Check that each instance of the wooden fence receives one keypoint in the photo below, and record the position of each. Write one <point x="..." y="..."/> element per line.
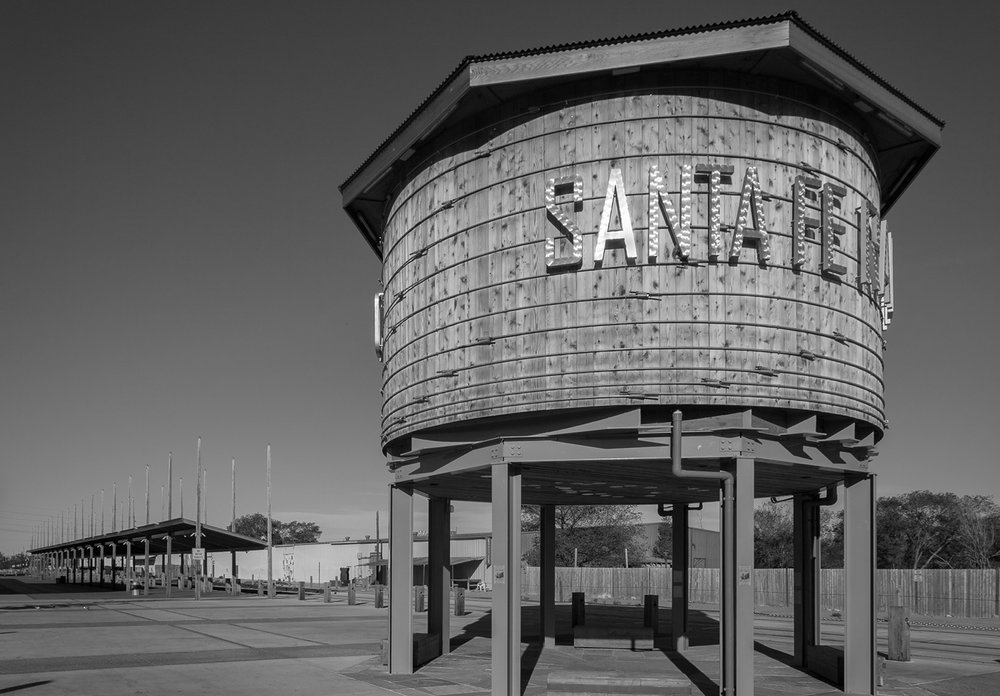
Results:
<point x="956" y="593"/>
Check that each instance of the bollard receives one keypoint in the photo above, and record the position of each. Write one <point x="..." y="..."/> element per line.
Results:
<point x="379" y="596"/>
<point x="260" y="588"/>
<point x="651" y="612"/>
<point x="459" y="601"/>
<point x="302" y="590"/>
<point x="899" y="634"/>
<point x="579" y="612"/>
<point x="419" y="598"/>
<point x="326" y="594"/>
<point x="352" y="595"/>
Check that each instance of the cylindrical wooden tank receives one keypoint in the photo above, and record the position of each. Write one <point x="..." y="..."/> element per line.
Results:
<point x="495" y="305"/>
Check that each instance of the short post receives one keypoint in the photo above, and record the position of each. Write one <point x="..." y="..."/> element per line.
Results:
<point x="579" y="611"/>
<point x="651" y="612"/>
<point x="459" y="601"/>
<point x="379" y="596"/>
<point x="302" y="589"/>
<point x="420" y="598"/>
<point x="352" y="595"/>
<point x="326" y="593"/>
<point x="260" y="588"/>
<point x="899" y="634"/>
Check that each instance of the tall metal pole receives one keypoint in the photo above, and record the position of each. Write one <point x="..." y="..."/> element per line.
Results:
<point x="91" y="514"/>
<point x="270" y="578"/>
<point x="170" y="486"/>
<point x="197" y="526"/>
<point x="130" y="512"/>
<point x="75" y="537"/>
<point x="102" y="512"/>
<point x="145" y="544"/>
<point x="233" y="525"/>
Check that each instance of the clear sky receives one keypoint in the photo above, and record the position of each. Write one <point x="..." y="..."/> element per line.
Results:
<point x="175" y="263"/>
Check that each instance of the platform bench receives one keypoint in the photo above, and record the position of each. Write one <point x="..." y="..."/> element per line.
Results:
<point x="603" y="683"/>
<point x="638" y="638"/>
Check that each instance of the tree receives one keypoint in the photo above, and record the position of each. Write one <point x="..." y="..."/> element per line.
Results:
<point x="774" y="542"/>
<point x="920" y="529"/>
<point x="664" y="546"/>
<point x="294" y="532"/>
<point x="772" y="536"/>
<point x="595" y="535"/>
<point x="979" y="530"/>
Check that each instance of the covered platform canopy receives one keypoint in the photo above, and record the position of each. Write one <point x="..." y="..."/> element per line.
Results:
<point x="180" y="531"/>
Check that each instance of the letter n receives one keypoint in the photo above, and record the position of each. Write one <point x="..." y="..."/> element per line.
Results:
<point x="661" y="205"/>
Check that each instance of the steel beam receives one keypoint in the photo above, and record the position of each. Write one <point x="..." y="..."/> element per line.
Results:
<point x="744" y="594"/>
<point x="547" y="576"/>
<point x="506" y="617"/>
<point x="679" y="587"/>
<point x="627" y="447"/>
<point x="806" y="555"/>
<point x="859" y="590"/>
<point x="400" y="579"/>
<point x="439" y="569"/>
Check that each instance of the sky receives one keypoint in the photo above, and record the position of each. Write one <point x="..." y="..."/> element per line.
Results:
<point x="175" y="262"/>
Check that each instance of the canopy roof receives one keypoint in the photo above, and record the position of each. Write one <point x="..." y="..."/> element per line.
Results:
<point x="181" y="531"/>
<point x="903" y="135"/>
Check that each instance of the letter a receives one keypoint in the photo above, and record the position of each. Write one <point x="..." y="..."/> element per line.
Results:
<point x="616" y="190"/>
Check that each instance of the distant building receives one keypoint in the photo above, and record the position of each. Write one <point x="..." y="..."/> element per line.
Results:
<point x="704" y="546"/>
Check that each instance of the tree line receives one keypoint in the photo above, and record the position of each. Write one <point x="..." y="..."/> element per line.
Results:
<point x="916" y="530"/>
<point x="255" y="526"/>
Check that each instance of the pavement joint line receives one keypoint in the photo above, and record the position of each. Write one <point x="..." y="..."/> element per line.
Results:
<point x="241" y="653"/>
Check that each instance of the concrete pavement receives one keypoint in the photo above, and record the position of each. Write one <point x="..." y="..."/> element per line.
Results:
<point x="112" y="644"/>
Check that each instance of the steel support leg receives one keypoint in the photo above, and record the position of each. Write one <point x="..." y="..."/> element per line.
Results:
<point x="859" y="591"/>
<point x="805" y="522"/>
<point x="506" y="618"/>
<point x="744" y="495"/>
<point x="439" y="569"/>
<point x="547" y="576"/>
<point x="128" y="567"/>
<point x="679" y="589"/>
<point x="400" y="580"/>
<point x="168" y="572"/>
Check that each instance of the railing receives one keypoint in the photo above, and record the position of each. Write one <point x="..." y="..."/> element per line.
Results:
<point x="958" y="593"/>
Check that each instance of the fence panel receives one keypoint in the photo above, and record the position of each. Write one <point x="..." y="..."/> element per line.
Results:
<point x="956" y="593"/>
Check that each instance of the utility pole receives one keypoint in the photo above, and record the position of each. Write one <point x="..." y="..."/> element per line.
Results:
<point x="197" y="527"/>
<point x="270" y="578"/>
<point x="170" y="486"/>
<point x="233" y="527"/>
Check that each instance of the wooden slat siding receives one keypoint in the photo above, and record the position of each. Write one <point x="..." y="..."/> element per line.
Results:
<point x="492" y="237"/>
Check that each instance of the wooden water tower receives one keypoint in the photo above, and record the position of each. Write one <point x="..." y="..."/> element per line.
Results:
<point x="579" y="241"/>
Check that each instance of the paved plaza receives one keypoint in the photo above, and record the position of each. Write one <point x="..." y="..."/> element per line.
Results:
<point x="80" y="641"/>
